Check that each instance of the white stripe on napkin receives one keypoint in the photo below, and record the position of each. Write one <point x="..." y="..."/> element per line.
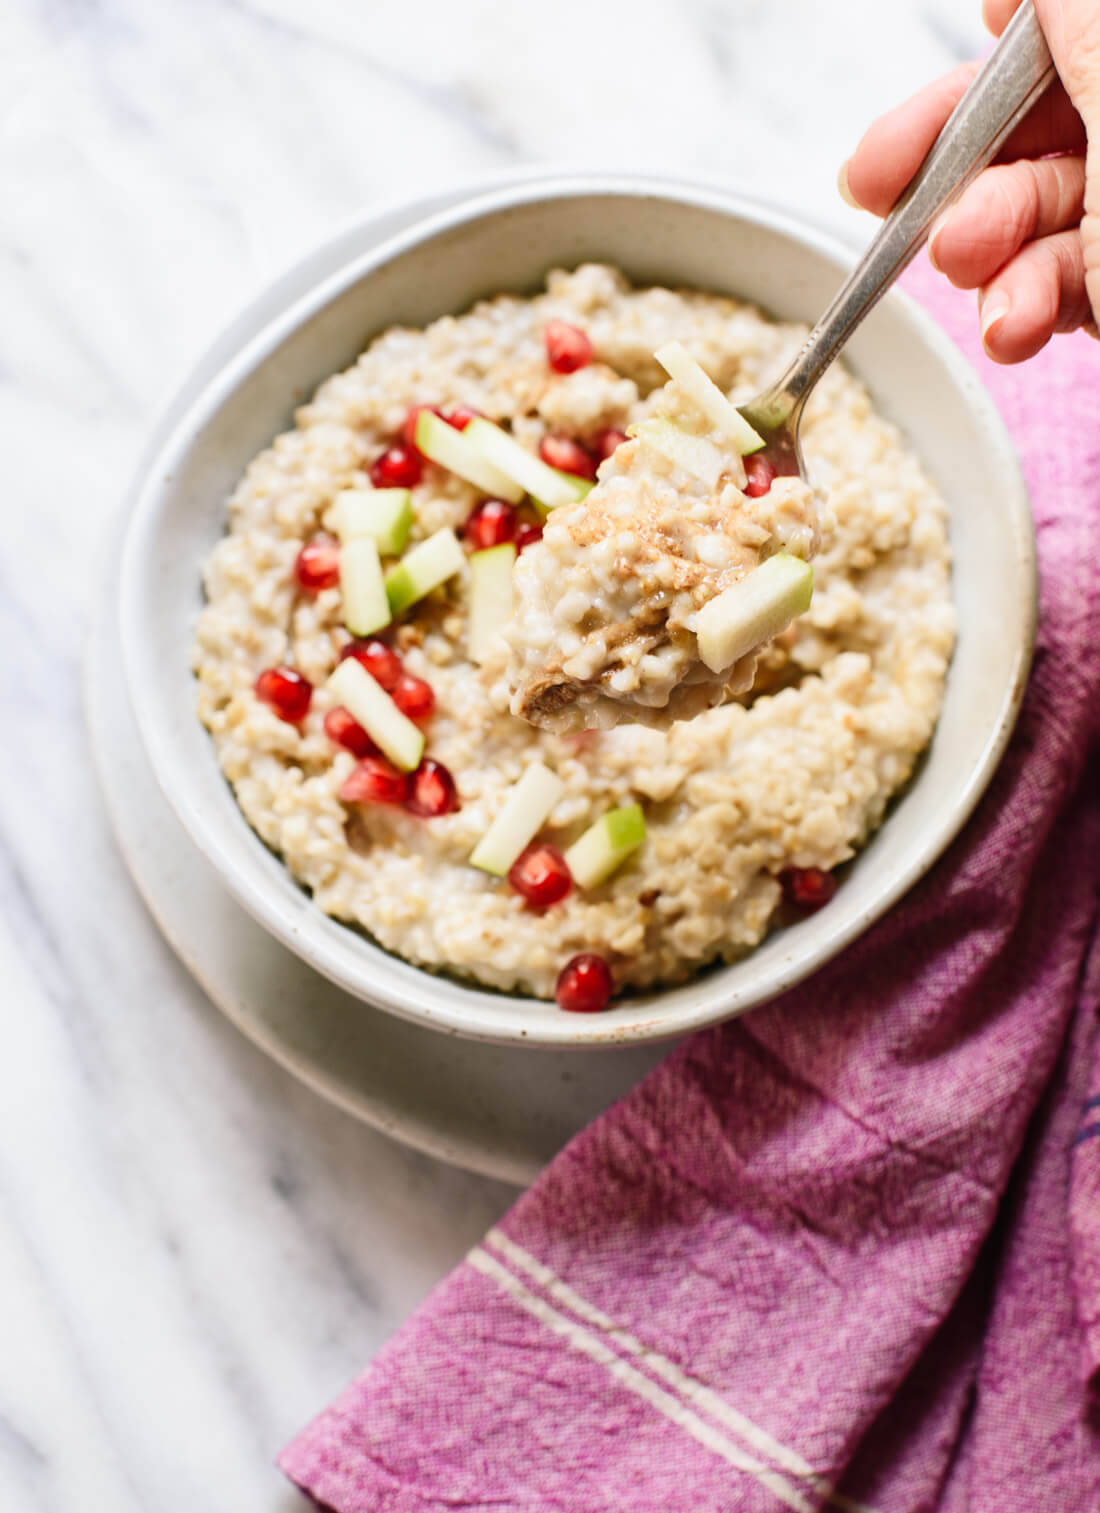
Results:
<point x="692" y="1395"/>
<point x="678" y="1412"/>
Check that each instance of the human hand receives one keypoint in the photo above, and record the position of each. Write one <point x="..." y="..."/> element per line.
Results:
<point x="1026" y="233"/>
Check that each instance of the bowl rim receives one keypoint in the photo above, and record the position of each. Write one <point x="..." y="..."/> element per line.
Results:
<point x="479" y="1013"/>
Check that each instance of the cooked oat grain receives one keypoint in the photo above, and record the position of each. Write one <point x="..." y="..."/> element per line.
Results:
<point x="798" y="775"/>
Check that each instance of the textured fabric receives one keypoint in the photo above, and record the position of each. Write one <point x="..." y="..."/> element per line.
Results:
<point x="844" y="1251"/>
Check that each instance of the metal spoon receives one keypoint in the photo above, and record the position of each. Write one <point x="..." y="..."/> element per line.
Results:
<point x="1014" y="76"/>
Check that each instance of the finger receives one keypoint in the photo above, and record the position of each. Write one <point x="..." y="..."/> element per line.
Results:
<point x="1041" y="291"/>
<point x="1005" y="207"/>
<point x="894" y="147"/>
<point x="998" y="13"/>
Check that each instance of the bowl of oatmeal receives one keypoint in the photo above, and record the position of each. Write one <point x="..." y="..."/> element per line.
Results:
<point x="360" y="763"/>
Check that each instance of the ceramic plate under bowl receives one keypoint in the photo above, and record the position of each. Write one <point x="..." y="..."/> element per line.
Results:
<point x="506" y="240"/>
<point x="494" y="1109"/>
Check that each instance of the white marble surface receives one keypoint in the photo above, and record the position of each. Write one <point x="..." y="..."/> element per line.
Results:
<point x="195" y="1253"/>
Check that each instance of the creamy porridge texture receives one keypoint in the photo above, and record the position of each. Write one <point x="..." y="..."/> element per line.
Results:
<point x="794" y="773"/>
<point x="607" y="605"/>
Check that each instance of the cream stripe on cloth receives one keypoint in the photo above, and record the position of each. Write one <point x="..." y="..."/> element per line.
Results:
<point x="607" y="1344"/>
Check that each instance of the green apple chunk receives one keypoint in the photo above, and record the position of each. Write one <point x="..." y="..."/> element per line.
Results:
<point x="384" y="514"/>
<point x="697" y="456"/>
<point x="390" y="730"/>
<point x="606" y="845"/>
<point x="453" y="450"/>
<point x="579" y="489"/>
<point x="521" y="817"/>
<point x="706" y="394"/>
<point x="428" y="565"/>
<point x="366" y="606"/>
<point x="490" y="596"/>
<point x="547" y="486"/>
<point x="754" y="610"/>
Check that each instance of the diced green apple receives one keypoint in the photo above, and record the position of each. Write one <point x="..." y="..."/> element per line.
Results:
<point x="366" y="605"/>
<point x="696" y="455"/>
<point x="490" y="596"/>
<point x="546" y="485"/>
<point x="579" y="488"/>
<point x="453" y="450"/>
<point x="429" y="564"/>
<point x="384" y="514"/>
<point x="521" y="817"/>
<point x="390" y="730"/>
<point x="605" y="845"/>
<point x="679" y="365"/>
<point x="754" y="610"/>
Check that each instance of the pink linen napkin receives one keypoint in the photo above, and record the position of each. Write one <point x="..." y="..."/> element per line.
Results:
<point x="845" y="1251"/>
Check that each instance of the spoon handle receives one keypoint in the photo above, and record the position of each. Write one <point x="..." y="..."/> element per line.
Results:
<point x="1013" y="77"/>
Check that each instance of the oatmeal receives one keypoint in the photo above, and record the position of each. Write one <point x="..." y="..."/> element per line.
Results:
<point x="653" y="851"/>
<point x="607" y="604"/>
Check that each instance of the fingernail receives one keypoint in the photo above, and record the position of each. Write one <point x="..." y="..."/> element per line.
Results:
<point x="994" y="308"/>
<point x="845" y="193"/>
<point x="933" y="236"/>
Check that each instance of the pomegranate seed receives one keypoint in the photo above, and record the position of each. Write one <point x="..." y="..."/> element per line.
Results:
<point x="527" y="535"/>
<point x="542" y="875"/>
<point x="413" y="696"/>
<point x="432" y="791"/>
<point x="461" y="416"/>
<point x="286" y="692"/>
<point x="760" y="475"/>
<point x="567" y="347"/>
<point x="383" y="664"/>
<point x="374" y="781"/>
<point x="408" y="425"/>
<point x="399" y="467"/>
<point x="807" y="888"/>
<point x="585" y="984"/>
<point x="318" y="564"/>
<point x="605" y="442"/>
<point x="568" y="455"/>
<point x="491" y="523"/>
<point x="344" y="730"/>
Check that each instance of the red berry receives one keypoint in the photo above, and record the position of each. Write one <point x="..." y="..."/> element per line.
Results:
<point x="413" y="696"/>
<point x="585" y="984"/>
<point x="527" y="535"/>
<point x="807" y="888"/>
<point x="374" y="781"/>
<point x="461" y="415"/>
<point x="491" y="523"/>
<point x="759" y="476"/>
<point x="568" y="455"/>
<point x="408" y="425"/>
<point x="286" y="691"/>
<point x="318" y="564"/>
<point x="399" y="467"/>
<point x="383" y="664"/>
<point x="605" y="442"/>
<point x="567" y="347"/>
<point x="344" y="730"/>
<point x="432" y="791"/>
<point x="542" y="875"/>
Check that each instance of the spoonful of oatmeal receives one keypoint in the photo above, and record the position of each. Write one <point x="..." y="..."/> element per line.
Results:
<point x="651" y="598"/>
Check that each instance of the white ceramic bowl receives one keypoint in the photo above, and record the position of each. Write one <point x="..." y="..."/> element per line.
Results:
<point x="502" y="240"/>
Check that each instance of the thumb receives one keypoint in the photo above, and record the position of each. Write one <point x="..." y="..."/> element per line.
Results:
<point x="1090" y="221"/>
<point x="1072" y="29"/>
